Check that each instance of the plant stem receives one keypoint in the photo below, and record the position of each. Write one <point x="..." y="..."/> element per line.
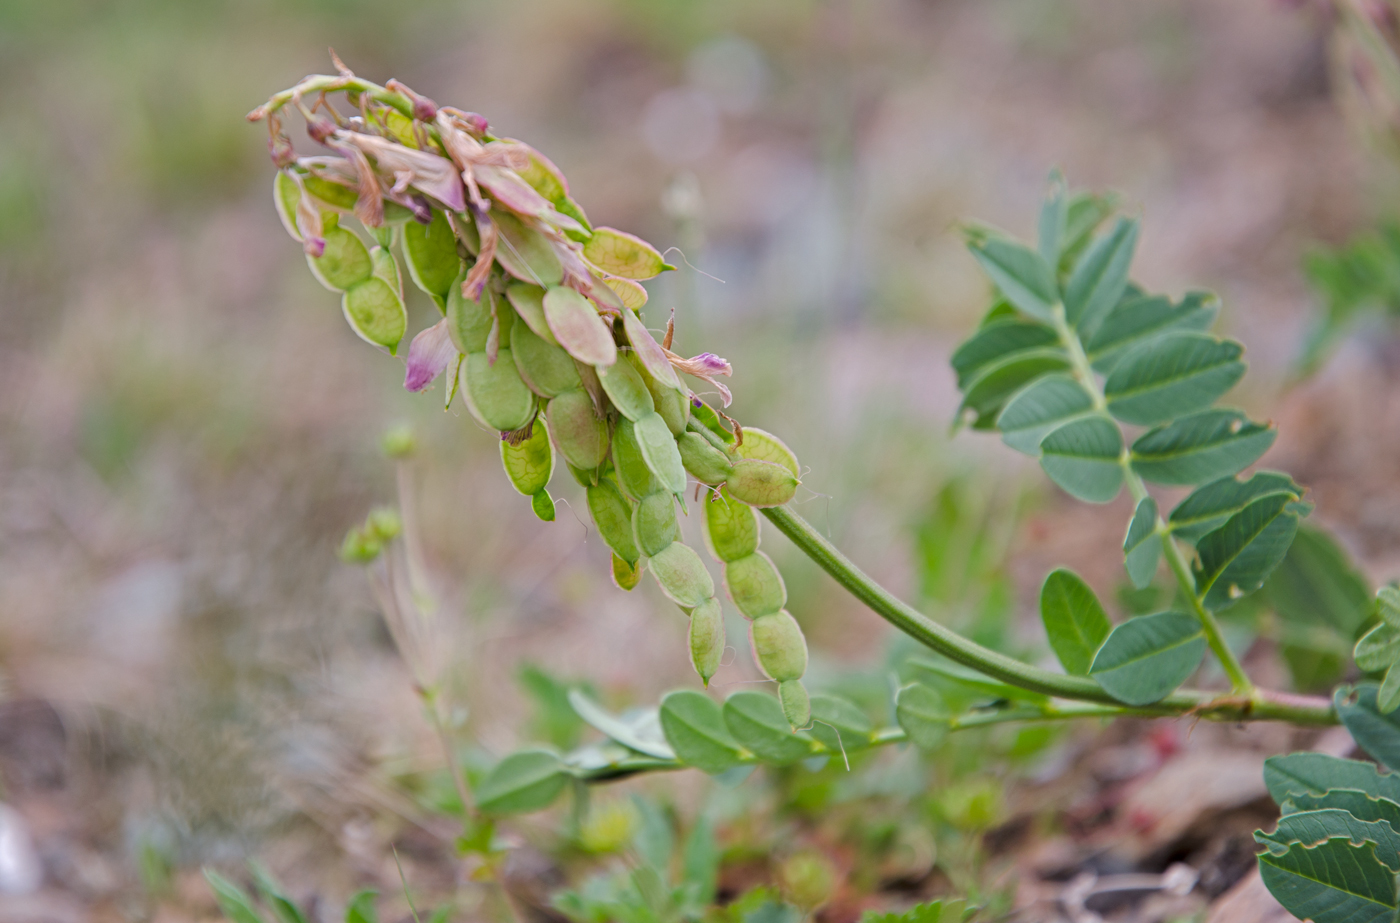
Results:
<point x="1239" y="680"/>
<point x="1262" y="706"/>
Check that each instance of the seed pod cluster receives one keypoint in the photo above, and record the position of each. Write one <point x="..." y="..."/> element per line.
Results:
<point x="538" y="330"/>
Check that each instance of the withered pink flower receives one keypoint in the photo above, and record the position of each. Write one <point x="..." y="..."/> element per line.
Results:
<point x="706" y="367"/>
<point x="423" y="170"/>
<point x="476" y="278"/>
<point x="369" y="207"/>
<point x="429" y="355"/>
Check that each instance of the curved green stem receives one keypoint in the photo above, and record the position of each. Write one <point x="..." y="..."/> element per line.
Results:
<point x="1084" y="371"/>
<point x="1262" y="706"/>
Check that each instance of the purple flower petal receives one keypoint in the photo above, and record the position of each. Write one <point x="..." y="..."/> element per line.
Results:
<point x="428" y="356"/>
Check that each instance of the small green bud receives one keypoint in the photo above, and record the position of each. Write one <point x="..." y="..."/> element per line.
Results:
<point x="625" y="575"/>
<point x="731" y="527"/>
<point x="681" y="575"/>
<point x="399" y="442"/>
<point x="778" y="646"/>
<point x="706" y="464"/>
<point x="654" y="522"/>
<point x="384" y="524"/>
<point x="543" y="505"/>
<point x="706" y="638"/>
<point x="578" y="434"/>
<point x="613" y="516"/>
<point x="797" y="705"/>
<point x="755" y="586"/>
<point x="761" y="483"/>
<point x="360" y="547"/>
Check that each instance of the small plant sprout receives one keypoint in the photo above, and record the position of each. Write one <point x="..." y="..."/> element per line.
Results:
<point x="1109" y="387"/>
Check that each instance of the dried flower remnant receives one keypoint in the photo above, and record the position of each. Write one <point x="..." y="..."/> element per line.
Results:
<point x="539" y="332"/>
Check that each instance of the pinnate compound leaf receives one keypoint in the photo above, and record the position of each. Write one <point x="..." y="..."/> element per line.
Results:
<point x="1138" y="318"/>
<point x="1208" y="507"/>
<point x="947" y="676"/>
<point x="1200" y="447"/>
<point x="996" y="341"/>
<point x="757" y="722"/>
<point x="1082" y="457"/>
<point x="1356" y="803"/>
<point x="1085" y="212"/>
<point x="695" y="728"/>
<point x="838" y="724"/>
<point x="1141" y="548"/>
<point x="1173" y="374"/>
<point x="639" y="730"/>
<point x="1379" y="648"/>
<point x="923" y="715"/>
<point x="1100" y="276"/>
<point x="234" y="902"/>
<point x="1075" y="623"/>
<point x="1329" y="867"/>
<point x="1376" y="733"/>
<point x="985" y="395"/>
<point x="1019" y="273"/>
<point x="527" y="780"/>
<point x="1236" y="558"/>
<point x="1054" y="214"/>
<point x="1044" y="405"/>
<point x="1146" y="658"/>
<point x="1315" y="774"/>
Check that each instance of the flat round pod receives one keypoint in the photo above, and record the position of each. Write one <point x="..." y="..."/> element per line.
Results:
<point x="529" y="464"/>
<point x="431" y="253"/>
<point x="706" y="638"/>
<point x="649" y="352"/>
<point x="618" y="253"/>
<point x="778" y="646"/>
<point x="375" y="312"/>
<point x="576" y="325"/>
<point x="764" y="446"/>
<point x="612" y="514"/>
<point x="496" y="392"/>
<point x="625" y="576"/>
<point x="546" y="369"/>
<point x="524" y="252"/>
<point x="579" y="435"/>
<point x="672" y="403"/>
<point x="654" y="522"/>
<point x="632" y="294"/>
<point x="469" y="322"/>
<point x="528" y="301"/>
<point x="761" y="483"/>
<point x="543" y="506"/>
<point x="633" y="475"/>
<point x="344" y="263"/>
<point x="797" y="705"/>
<point x="659" y="450"/>
<point x="754" y="585"/>
<point x="706" y="464"/>
<point x="731" y="527"/>
<point x="626" y="389"/>
<point x="286" y="195"/>
<point x="681" y="575"/>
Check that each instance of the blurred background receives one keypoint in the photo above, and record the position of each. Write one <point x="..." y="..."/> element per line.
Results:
<point x="188" y="673"/>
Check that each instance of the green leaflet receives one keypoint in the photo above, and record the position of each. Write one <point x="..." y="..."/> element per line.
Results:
<point x="1317" y="773"/>
<point x="838" y="724"/>
<point x="1236" y="558"/>
<point x="1074" y="621"/>
<point x="1042" y="406"/>
<point x="948" y="677"/>
<point x="234" y="902"/>
<point x="1139" y="318"/>
<point x="940" y="911"/>
<point x="1145" y="658"/>
<point x="1207" y="509"/>
<point x="1100" y="276"/>
<point x="639" y="729"/>
<point x="923" y="715"/>
<point x="994" y="385"/>
<point x="757" y="722"/>
<point x="1308" y="827"/>
<point x="1200" y="447"/>
<point x="1082" y="457"/>
<point x="361" y="908"/>
<point x="1376" y="733"/>
<point x="431" y="253"/>
<point x="1378" y="649"/>
<point x="1173" y="374"/>
<point x="1054" y="213"/>
<point x="284" y="909"/>
<point x="1085" y="212"/>
<point x="1325" y="866"/>
<point x="1141" y="548"/>
<point x="527" y="780"/>
<point x="1356" y="803"/>
<point x="1317" y="584"/>
<point x="695" y="729"/>
<point x="1018" y="272"/>
<point x="994" y="342"/>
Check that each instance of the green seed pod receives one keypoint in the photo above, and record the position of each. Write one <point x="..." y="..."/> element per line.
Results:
<point x="528" y="301"/>
<point x="754" y="585"/>
<point x="543" y="505"/>
<point x="524" y="252"/>
<point x="764" y="446"/>
<point x="579" y="435"/>
<point x="778" y="646"/>
<point x="705" y="415"/>
<point x="530" y="464"/>
<point x="659" y="450"/>
<point x="706" y="638"/>
<point x="626" y="390"/>
<point x="578" y="328"/>
<point x="797" y="705"/>
<point x="469" y="322"/>
<point x="286" y="194"/>
<point x="633" y="475"/>
<point x="731" y="527"/>
<point x="384" y="235"/>
<point x="761" y="483"/>
<point x="613" y="516"/>
<point x="654" y="522"/>
<point x="546" y="369"/>
<point x="361" y="546"/>
<point x="681" y="575"/>
<point x="386" y="268"/>
<point x="625" y="575"/>
<point x="375" y="312"/>
<point x="670" y="400"/>
<point x="345" y="262"/>
<point x="341" y="198"/>
<point x="495" y="392"/>
<point x="584" y="477"/>
<point x="706" y="464"/>
<point x="431" y="253"/>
